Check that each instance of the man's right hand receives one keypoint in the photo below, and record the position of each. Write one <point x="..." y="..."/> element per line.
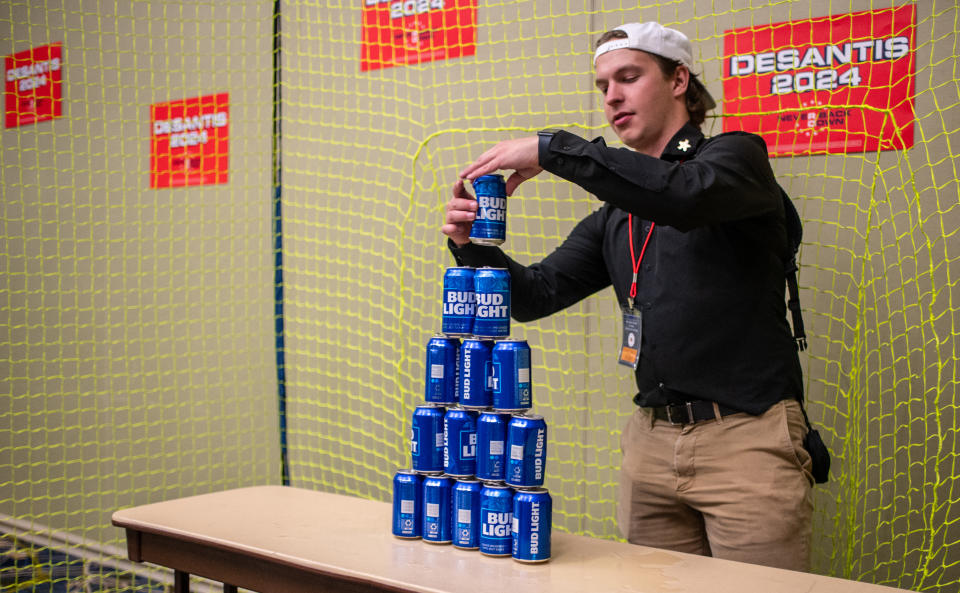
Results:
<point x="461" y="212"/>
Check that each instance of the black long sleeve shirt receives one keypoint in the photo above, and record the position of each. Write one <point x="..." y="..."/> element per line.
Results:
<point x="711" y="285"/>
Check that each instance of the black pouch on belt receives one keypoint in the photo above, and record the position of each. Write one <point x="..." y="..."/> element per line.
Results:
<point x="819" y="454"/>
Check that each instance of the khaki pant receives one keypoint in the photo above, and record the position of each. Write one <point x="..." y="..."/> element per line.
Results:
<point x="738" y="487"/>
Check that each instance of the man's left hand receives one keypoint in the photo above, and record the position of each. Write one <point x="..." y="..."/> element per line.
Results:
<point x="520" y="154"/>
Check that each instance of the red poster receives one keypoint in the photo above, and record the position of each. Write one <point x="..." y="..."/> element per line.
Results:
<point x="34" y="89"/>
<point x="834" y="84"/>
<point x="189" y="141"/>
<point x="398" y="32"/>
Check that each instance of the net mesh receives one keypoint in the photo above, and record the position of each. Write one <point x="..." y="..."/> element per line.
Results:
<point x="138" y="330"/>
<point x="137" y="361"/>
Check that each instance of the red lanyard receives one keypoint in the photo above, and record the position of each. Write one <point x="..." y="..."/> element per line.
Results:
<point x="636" y="262"/>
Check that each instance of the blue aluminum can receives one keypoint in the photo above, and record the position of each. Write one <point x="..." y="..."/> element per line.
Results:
<point x="492" y="319"/>
<point x="510" y="376"/>
<point x="491" y="440"/>
<point x="466" y="514"/>
<point x="473" y="386"/>
<point x="532" y="522"/>
<point x="459" y="301"/>
<point x="490" y="225"/>
<point x="407" y="504"/>
<point x="526" y="451"/>
<point x="443" y="358"/>
<point x="460" y="443"/>
<point x="426" y="439"/>
<point x="496" y="520"/>
<point x="437" y="509"/>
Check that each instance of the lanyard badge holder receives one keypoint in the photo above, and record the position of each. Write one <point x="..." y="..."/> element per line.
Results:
<point x="633" y="318"/>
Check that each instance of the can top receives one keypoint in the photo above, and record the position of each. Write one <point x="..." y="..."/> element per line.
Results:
<point x="429" y="406"/>
<point x="442" y="336"/>
<point x="467" y="481"/>
<point x="405" y="470"/>
<point x="490" y="269"/>
<point x="497" y="485"/>
<point x="511" y="341"/>
<point x="443" y="478"/>
<point x="534" y="490"/>
<point x="461" y="268"/>
<point x="528" y="417"/>
<point x="489" y="176"/>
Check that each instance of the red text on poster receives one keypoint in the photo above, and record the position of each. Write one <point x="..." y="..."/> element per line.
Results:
<point x="34" y="90"/>
<point x="398" y="32"/>
<point x="189" y="141"/>
<point x="833" y="84"/>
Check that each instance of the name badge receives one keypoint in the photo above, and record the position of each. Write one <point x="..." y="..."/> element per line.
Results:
<point x="632" y="332"/>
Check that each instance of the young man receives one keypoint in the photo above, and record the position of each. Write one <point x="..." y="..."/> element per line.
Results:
<point x="692" y="237"/>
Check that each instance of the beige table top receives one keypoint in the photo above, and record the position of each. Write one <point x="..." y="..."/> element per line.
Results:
<point x="350" y="538"/>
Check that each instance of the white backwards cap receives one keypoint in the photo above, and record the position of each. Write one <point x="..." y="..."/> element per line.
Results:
<point x="656" y="39"/>
<point x="653" y="38"/>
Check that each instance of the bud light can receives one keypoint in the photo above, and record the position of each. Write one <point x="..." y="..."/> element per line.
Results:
<point x="460" y="443"/>
<point x="491" y="439"/>
<point x="490" y="225"/>
<point x="407" y="504"/>
<point x="526" y="451"/>
<point x="492" y="318"/>
<point x="437" y="508"/>
<point x="473" y="384"/>
<point x="426" y="439"/>
<point x="510" y="376"/>
<point x="459" y="301"/>
<point x="443" y="356"/>
<point x="532" y="518"/>
<point x="496" y="520"/>
<point x="466" y="514"/>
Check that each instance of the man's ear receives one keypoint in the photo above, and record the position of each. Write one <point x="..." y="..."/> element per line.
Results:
<point x="681" y="79"/>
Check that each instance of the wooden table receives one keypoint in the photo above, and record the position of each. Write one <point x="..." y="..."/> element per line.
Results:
<point x="290" y="540"/>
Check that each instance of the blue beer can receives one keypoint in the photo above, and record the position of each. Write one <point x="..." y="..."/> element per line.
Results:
<point x="492" y="319"/>
<point x="491" y="442"/>
<point x="473" y="385"/>
<point x="532" y="522"/>
<point x="459" y="301"/>
<point x="510" y="383"/>
<point x="496" y="520"/>
<point x="426" y="439"/>
<point x="407" y="504"/>
<point x="460" y="442"/>
<point x="490" y="225"/>
<point x="437" y="509"/>
<point x="466" y="514"/>
<point x="443" y="358"/>
<point x="526" y="451"/>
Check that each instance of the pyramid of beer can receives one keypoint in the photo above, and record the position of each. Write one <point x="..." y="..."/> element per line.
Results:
<point x="478" y="453"/>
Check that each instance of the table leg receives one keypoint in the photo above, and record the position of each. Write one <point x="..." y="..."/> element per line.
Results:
<point x="181" y="582"/>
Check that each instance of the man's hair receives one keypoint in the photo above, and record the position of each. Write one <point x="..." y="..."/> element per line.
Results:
<point x="697" y="104"/>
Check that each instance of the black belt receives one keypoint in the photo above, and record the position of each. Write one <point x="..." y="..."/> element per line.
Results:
<point x="689" y="412"/>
